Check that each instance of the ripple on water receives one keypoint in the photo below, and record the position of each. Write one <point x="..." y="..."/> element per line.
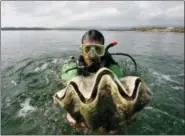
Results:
<point x="164" y="113"/>
<point x="39" y="80"/>
<point x="178" y="88"/>
<point x="43" y="67"/>
<point x="163" y="78"/>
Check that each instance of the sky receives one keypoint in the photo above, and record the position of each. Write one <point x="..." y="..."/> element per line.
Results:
<point x="91" y="13"/>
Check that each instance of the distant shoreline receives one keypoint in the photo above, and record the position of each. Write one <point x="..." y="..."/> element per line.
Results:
<point x="175" y="30"/>
<point x="144" y="29"/>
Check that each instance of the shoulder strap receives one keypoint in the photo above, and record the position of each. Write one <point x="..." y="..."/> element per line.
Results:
<point x="107" y="60"/>
<point x="82" y="70"/>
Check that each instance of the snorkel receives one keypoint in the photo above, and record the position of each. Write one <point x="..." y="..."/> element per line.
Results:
<point x="114" y="43"/>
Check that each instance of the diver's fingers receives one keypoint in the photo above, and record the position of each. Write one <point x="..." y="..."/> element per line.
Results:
<point x="81" y="126"/>
<point x="113" y="132"/>
<point x="70" y="119"/>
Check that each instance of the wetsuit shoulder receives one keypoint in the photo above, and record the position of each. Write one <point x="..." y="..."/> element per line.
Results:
<point x="68" y="69"/>
<point x="116" y="70"/>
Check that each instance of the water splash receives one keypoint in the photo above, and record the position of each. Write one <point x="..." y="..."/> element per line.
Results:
<point x="26" y="108"/>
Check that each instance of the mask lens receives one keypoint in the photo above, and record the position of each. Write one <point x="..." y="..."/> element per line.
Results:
<point x="87" y="49"/>
<point x="99" y="49"/>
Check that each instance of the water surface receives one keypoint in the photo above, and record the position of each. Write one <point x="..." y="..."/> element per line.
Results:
<point x="31" y="60"/>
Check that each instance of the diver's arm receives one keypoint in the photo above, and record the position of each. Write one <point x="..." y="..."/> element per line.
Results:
<point x="67" y="71"/>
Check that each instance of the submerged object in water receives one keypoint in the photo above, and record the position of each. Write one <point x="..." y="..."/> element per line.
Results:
<point x="102" y="100"/>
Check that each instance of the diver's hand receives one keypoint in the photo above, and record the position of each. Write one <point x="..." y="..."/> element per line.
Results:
<point x="73" y="123"/>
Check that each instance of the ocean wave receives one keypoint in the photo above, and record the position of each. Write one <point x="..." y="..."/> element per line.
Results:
<point x="26" y="108"/>
<point x="54" y="61"/>
<point x="14" y="83"/>
<point x="164" y="113"/>
<point x="161" y="77"/>
<point x="43" y="67"/>
<point x="178" y="88"/>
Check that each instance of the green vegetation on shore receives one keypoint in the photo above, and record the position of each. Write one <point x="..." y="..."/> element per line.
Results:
<point x="158" y="29"/>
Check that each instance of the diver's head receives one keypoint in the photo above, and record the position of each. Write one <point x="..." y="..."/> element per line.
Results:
<point x="92" y="47"/>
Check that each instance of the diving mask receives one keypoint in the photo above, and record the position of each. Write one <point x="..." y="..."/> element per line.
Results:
<point x="93" y="50"/>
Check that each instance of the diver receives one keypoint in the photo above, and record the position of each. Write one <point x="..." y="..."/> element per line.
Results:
<point x="94" y="55"/>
